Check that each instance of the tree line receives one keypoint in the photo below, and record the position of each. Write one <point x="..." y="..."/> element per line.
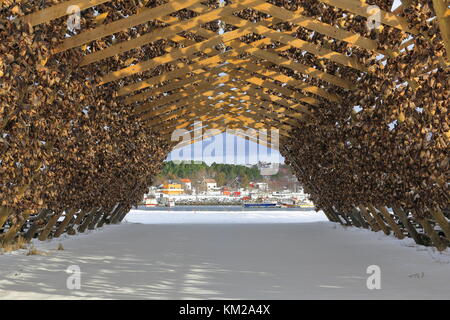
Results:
<point x="224" y="174"/>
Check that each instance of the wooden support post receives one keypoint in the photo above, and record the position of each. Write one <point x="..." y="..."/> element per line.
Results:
<point x="379" y="220"/>
<point x="96" y="218"/>
<point x="123" y="215"/>
<point x="442" y="221"/>
<point x="394" y="226"/>
<point x="87" y="220"/>
<point x="408" y="225"/>
<point x="341" y="216"/>
<point x="354" y="220"/>
<point x="107" y="214"/>
<point x="434" y="236"/>
<point x="62" y="227"/>
<point x="80" y="216"/>
<point x="331" y="216"/>
<point x="370" y="220"/>
<point x="4" y="214"/>
<point x="116" y="218"/>
<point x="49" y="226"/>
<point x="12" y="232"/>
<point x="37" y="223"/>
<point x="360" y="218"/>
<point x="115" y="213"/>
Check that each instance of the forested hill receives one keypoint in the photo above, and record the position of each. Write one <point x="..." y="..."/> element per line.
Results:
<point x="224" y="174"/>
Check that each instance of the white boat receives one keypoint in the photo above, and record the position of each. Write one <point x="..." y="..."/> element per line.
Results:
<point x="150" y="202"/>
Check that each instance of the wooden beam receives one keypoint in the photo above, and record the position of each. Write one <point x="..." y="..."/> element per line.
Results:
<point x="299" y="67"/>
<point x="318" y="51"/>
<point x="361" y="8"/>
<point x="109" y="29"/>
<point x="169" y="31"/>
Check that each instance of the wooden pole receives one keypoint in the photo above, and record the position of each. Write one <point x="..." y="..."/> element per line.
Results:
<point x="442" y="221"/>
<point x="436" y="240"/>
<point x="62" y="227"/>
<point x="116" y="217"/>
<point x="331" y="216"/>
<point x="95" y="219"/>
<point x="116" y="212"/>
<point x="360" y="218"/>
<point x="88" y="220"/>
<point x="370" y="220"/>
<point x="408" y="225"/>
<point x="394" y="226"/>
<point x="12" y="232"/>
<point x="379" y="220"/>
<point x="104" y="218"/>
<point x="49" y="226"/>
<point x="4" y="214"/>
<point x="37" y="223"/>
<point x="80" y="216"/>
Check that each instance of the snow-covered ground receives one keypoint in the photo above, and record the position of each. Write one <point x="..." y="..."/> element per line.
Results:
<point x="242" y="256"/>
<point x="169" y="216"/>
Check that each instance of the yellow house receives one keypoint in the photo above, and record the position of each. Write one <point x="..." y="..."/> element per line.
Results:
<point x="172" y="188"/>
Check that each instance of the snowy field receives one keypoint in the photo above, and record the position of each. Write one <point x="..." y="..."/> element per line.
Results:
<point x="212" y="216"/>
<point x="220" y="255"/>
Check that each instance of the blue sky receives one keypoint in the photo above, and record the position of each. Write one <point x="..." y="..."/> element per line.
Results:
<point x="227" y="148"/>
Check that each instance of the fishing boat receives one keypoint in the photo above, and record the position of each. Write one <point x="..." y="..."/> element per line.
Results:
<point x="261" y="205"/>
<point x="150" y="202"/>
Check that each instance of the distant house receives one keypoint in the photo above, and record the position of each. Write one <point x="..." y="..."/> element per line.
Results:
<point x="186" y="184"/>
<point x="172" y="188"/>
<point x="263" y="186"/>
<point x="209" y="184"/>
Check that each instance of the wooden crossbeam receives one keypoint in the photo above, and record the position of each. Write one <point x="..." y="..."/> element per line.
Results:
<point x="246" y="63"/>
<point x="176" y="54"/>
<point x="361" y="8"/>
<point x="299" y="67"/>
<point x="169" y="31"/>
<point x="256" y="81"/>
<point x="109" y="29"/>
<point x="263" y="70"/>
<point x="170" y="75"/>
<point x="323" y="28"/>
<point x="319" y="52"/>
<point x="250" y="95"/>
<point x="215" y="119"/>
<point x="205" y="90"/>
<point x="219" y="109"/>
<point x="201" y="75"/>
<point x="176" y="110"/>
<point x="227" y="38"/>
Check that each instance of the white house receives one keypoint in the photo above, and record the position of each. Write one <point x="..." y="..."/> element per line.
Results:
<point x="186" y="183"/>
<point x="209" y="184"/>
<point x="263" y="186"/>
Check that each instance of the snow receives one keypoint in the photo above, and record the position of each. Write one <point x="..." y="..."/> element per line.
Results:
<point x="214" y="217"/>
<point x="244" y="255"/>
